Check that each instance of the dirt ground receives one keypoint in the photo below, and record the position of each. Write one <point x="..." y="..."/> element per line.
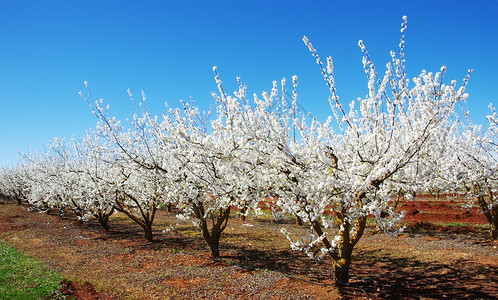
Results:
<point x="428" y="209"/>
<point x="428" y="261"/>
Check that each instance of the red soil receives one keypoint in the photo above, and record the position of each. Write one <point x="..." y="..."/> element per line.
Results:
<point x="85" y="291"/>
<point x="441" y="211"/>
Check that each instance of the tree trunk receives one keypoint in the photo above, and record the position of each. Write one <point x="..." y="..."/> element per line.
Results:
<point x="148" y="231"/>
<point x="146" y="218"/>
<point x="493" y="228"/>
<point x="493" y="212"/>
<point x="342" y="254"/>
<point x="212" y="238"/>
<point x="219" y="221"/>
<point x="341" y="270"/>
<point x="103" y="218"/>
<point x="490" y="213"/>
<point x="215" y="242"/>
<point x="104" y="224"/>
<point x="243" y="213"/>
<point x="103" y="221"/>
<point x="61" y="213"/>
<point x="299" y="221"/>
<point x="342" y="260"/>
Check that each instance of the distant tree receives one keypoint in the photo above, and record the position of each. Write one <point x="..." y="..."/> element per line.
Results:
<point x="470" y="166"/>
<point x="14" y="183"/>
<point x="56" y="175"/>
<point x="99" y="180"/>
<point x="143" y="165"/>
<point x="218" y="168"/>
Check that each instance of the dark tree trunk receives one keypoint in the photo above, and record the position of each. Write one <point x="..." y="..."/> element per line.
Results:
<point x="104" y="224"/>
<point x="493" y="228"/>
<point x="243" y="212"/>
<point x="219" y="221"/>
<point x="491" y="214"/>
<point x="341" y="270"/>
<point x="61" y="213"/>
<point x="146" y="218"/>
<point x="148" y="232"/>
<point x="342" y="254"/>
<point x="103" y="218"/>
<point x="215" y="242"/>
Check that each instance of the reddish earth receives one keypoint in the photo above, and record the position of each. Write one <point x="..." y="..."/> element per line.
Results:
<point x="426" y="208"/>
<point x="443" y="211"/>
<point x="75" y="290"/>
<point x="429" y="261"/>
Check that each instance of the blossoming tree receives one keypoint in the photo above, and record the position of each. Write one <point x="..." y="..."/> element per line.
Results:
<point x="99" y="177"/>
<point x="333" y="176"/>
<point x="141" y="164"/>
<point x="470" y="164"/>
<point x="214" y="169"/>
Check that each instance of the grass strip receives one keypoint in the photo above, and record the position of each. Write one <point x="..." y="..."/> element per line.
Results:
<point x="22" y="277"/>
<point x="461" y="224"/>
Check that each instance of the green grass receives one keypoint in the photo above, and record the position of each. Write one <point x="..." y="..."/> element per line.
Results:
<point x="461" y="224"/>
<point x="22" y="277"/>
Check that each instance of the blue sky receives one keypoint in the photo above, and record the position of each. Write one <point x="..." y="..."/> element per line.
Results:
<point x="168" y="48"/>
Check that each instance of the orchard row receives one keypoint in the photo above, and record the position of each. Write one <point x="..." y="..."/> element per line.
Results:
<point x="404" y="137"/>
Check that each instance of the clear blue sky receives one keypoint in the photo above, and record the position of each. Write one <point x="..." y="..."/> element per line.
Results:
<point x="168" y="48"/>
